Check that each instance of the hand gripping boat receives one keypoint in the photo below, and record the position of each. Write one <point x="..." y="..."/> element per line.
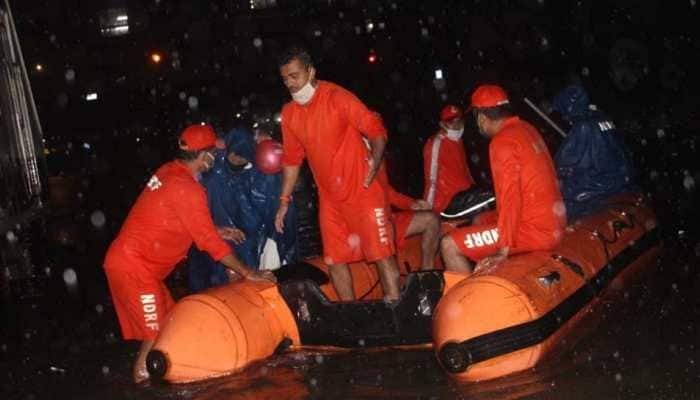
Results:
<point x="483" y="326"/>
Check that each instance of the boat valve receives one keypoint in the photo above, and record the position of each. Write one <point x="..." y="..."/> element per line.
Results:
<point x="156" y="364"/>
<point x="454" y="358"/>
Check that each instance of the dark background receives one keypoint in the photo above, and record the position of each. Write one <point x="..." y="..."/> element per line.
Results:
<point x="637" y="59"/>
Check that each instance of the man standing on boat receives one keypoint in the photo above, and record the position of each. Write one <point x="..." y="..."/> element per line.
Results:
<point x="445" y="167"/>
<point x="530" y="214"/>
<point x="326" y="123"/>
<point x="167" y="217"/>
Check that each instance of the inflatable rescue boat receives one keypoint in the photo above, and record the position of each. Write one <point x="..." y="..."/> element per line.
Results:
<point x="483" y="326"/>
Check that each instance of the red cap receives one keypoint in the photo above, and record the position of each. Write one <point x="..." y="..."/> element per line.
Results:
<point x="450" y="112"/>
<point x="486" y="96"/>
<point x="197" y="137"/>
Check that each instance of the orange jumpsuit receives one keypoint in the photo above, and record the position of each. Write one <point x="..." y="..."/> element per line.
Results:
<point x="169" y="214"/>
<point x="328" y="131"/>
<point x="445" y="170"/>
<point x="530" y="214"/>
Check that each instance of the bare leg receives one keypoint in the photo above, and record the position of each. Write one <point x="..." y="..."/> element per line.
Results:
<point x="342" y="281"/>
<point x="389" y="275"/>
<point x="453" y="258"/>
<point x="140" y="372"/>
<point x="427" y="224"/>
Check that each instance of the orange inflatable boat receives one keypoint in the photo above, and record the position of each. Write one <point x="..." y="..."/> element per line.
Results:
<point x="224" y="329"/>
<point x="483" y="326"/>
<point x="534" y="305"/>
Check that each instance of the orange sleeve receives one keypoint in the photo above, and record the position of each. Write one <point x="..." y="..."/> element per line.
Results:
<point x="192" y="209"/>
<point x="398" y="199"/>
<point x="292" y="150"/>
<point x="358" y="115"/>
<point x="506" y="169"/>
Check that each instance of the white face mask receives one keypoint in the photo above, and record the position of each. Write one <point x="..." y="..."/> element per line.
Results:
<point x="304" y="94"/>
<point x="454" y="134"/>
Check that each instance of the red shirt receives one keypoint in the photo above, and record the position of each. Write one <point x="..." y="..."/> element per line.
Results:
<point x="328" y="132"/>
<point x="527" y="192"/>
<point x="169" y="214"/>
<point x="445" y="170"/>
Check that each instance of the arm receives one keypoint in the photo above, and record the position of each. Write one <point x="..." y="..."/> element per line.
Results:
<point x="377" y="146"/>
<point x="292" y="157"/>
<point x="570" y="154"/>
<point x="290" y="174"/>
<point x="192" y="209"/>
<point x="506" y="177"/>
<point x="369" y="124"/>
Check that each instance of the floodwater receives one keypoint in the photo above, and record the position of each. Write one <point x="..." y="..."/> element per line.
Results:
<point x="60" y="341"/>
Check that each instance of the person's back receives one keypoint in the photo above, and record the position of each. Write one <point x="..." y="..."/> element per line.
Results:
<point x="592" y="163"/>
<point x="155" y="227"/>
<point x="530" y="214"/>
<point x="519" y="147"/>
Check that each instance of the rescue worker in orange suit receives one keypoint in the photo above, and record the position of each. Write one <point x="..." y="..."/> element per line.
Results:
<point x="415" y="218"/>
<point x="530" y="214"/>
<point x="445" y="168"/>
<point x="326" y="123"/>
<point x="170" y="213"/>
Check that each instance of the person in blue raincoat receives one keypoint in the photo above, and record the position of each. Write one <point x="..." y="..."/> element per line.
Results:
<point x="242" y="197"/>
<point x="592" y="163"/>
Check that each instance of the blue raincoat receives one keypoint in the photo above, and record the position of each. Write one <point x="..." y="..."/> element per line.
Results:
<point x="592" y="163"/>
<point x="246" y="199"/>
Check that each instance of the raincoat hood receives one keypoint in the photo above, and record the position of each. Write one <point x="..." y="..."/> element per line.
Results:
<point x="241" y="142"/>
<point x="571" y="102"/>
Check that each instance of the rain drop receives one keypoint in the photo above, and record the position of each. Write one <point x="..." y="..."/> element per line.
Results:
<point x="193" y="102"/>
<point x="688" y="181"/>
<point x="11" y="237"/>
<point x="105" y="370"/>
<point x="70" y="76"/>
<point x="559" y="209"/>
<point x="70" y="277"/>
<point x="99" y="308"/>
<point x="257" y="42"/>
<point x="319" y="359"/>
<point x="97" y="218"/>
<point x="660" y="133"/>
<point x="475" y="158"/>
<point x="182" y="96"/>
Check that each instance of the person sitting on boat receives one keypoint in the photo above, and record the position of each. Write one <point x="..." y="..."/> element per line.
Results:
<point x="592" y="163"/>
<point x="170" y="213"/>
<point x="445" y="167"/>
<point x="530" y="214"/>
<point x="243" y="198"/>
<point x="414" y="217"/>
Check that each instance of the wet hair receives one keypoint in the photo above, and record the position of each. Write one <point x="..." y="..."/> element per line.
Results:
<point x="295" y="52"/>
<point x="495" y="113"/>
